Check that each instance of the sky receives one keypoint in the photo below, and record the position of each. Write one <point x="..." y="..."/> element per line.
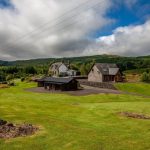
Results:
<point x="54" y="28"/>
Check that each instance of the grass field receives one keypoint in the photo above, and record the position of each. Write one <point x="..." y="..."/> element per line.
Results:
<point x="139" y="88"/>
<point x="76" y="123"/>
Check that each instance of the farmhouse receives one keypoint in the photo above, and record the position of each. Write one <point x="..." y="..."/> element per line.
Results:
<point x="61" y="69"/>
<point x="61" y="83"/>
<point x="58" y="68"/>
<point x="105" y="72"/>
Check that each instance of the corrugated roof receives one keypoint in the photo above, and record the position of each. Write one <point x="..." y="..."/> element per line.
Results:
<point x="107" y="68"/>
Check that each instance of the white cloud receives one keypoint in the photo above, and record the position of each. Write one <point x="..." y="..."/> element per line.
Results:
<point x="68" y="35"/>
<point x="60" y="37"/>
<point x="129" y="41"/>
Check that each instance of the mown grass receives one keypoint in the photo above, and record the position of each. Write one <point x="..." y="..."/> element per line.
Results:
<point x="139" y="88"/>
<point x="75" y="123"/>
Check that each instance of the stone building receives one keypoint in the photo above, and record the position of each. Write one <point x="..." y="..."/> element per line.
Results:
<point x="105" y="72"/>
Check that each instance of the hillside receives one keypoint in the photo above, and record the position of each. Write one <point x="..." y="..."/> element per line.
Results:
<point x="78" y="60"/>
<point x="131" y="65"/>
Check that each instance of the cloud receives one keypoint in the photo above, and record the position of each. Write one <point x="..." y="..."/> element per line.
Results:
<point x="129" y="41"/>
<point x="59" y="36"/>
<point x="68" y="35"/>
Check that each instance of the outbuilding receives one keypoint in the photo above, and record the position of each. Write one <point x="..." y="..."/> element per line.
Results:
<point x="63" y="84"/>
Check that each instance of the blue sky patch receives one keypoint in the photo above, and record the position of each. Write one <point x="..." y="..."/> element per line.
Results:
<point x="124" y="15"/>
<point x="5" y="4"/>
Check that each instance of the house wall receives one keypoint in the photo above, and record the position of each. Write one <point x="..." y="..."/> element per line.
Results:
<point x="63" y="69"/>
<point x="118" y="77"/>
<point x="72" y="73"/>
<point x="73" y="85"/>
<point x="108" y="78"/>
<point x="95" y="75"/>
<point x="40" y="84"/>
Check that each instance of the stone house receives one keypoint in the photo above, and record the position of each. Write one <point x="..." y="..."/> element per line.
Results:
<point x="61" y="69"/>
<point x="105" y="72"/>
<point x="58" y="69"/>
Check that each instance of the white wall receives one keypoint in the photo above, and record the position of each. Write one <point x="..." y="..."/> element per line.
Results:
<point x="95" y="75"/>
<point x="63" y="69"/>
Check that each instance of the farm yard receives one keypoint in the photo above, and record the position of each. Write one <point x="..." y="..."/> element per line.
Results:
<point x="66" y="122"/>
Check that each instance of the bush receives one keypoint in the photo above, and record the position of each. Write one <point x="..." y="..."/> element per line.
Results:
<point x="9" y="77"/>
<point x="28" y="79"/>
<point x="11" y="84"/>
<point x="22" y="79"/>
<point x="145" y="77"/>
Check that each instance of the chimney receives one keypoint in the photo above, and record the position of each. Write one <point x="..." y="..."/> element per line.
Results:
<point x="69" y="64"/>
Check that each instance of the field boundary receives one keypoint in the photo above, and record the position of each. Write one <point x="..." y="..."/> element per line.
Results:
<point x="98" y="84"/>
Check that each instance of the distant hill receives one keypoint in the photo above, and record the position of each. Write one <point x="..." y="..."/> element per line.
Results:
<point x="125" y="62"/>
<point x="97" y="58"/>
<point x="4" y="63"/>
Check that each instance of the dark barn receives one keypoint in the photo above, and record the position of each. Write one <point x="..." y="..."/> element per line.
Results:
<point x="62" y="84"/>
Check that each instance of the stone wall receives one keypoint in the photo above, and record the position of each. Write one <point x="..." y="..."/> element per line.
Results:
<point x="98" y="84"/>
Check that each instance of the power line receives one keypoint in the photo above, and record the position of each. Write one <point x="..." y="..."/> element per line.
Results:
<point x="58" y="23"/>
<point x="51" y="21"/>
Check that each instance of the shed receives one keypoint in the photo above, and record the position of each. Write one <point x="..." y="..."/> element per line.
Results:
<point x="63" y="84"/>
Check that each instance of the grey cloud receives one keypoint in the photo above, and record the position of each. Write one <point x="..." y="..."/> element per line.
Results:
<point x="71" y="37"/>
<point x="66" y="38"/>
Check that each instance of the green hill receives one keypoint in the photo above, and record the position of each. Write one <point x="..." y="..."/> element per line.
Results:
<point x="137" y="64"/>
<point x="84" y="59"/>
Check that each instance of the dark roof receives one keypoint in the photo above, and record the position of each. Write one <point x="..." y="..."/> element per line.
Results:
<point x="57" y="65"/>
<point x="107" y="69"/>
<point x="56" y="80"/>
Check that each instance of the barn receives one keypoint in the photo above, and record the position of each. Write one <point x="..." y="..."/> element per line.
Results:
<point x="62" y="84"/>
<point x="105" y="72"/>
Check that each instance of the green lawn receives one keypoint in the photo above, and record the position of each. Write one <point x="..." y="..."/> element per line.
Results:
<point x="75" y="123"/>
<point x="139" y="88"/>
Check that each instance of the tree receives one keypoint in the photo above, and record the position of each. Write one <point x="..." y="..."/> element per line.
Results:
<point x="74" y="67"/>
<point x="83" y="69"/>
<point x="9" y="77"/>
<point x="2" y="77"/>
<point x="145" y="77"/>
<point x="30" y="70"/>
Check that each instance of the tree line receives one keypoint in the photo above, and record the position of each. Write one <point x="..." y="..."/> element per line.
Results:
<point x="82" y="64"/>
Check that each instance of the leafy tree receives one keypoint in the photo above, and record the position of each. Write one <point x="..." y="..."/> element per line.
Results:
<point x="145" y="77"/>
<point x="2" y="77"/>
<point x="83" y="69"/>
<point x="30" y="70"/>
<point x="74" y="67"/>
<point x="9" y="77"/>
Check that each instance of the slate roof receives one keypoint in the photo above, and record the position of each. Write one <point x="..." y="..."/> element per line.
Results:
<point x="107" y="69"/>
<point x="56" y="65"/>
<point x="56" y="80"/>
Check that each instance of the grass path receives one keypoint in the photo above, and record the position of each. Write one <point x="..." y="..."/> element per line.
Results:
<point x="75" y="123"/>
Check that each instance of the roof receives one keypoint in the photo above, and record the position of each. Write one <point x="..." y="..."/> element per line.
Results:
<point x="56" y="65"/>
<point x="56" y="80"/>
<point x="107" y="69"/>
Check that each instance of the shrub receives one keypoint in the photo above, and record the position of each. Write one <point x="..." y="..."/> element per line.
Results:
<point x="11" y="84"/>
<point x="28" y="79"/>
<point x="145" y="77"/>
<point x="9" y="77"/>
<point x="22" y="79"/>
